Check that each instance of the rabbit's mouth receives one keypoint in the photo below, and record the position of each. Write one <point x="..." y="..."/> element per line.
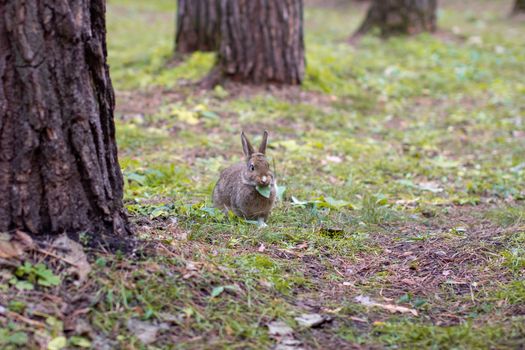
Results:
<point x="264" y="180"/>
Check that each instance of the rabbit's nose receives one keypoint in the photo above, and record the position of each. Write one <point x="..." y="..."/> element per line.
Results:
<point x="265" y="180"/>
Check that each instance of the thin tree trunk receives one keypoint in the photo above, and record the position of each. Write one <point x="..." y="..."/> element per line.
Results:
<point x="394" y="17"/>
<point x="58" y="157"/>
<point x="262" y="41"/>
<point x="519" y="7"/>
<point x="197" y="26"/>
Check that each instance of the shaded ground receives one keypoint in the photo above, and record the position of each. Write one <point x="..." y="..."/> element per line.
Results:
<point x="406" y="162"/>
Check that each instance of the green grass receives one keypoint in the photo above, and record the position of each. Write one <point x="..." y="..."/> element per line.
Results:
<point x="464" y="336"/>
<point x="507" y="216"/>
<point x="403" y="167"/>
<point x="404" y="131"/>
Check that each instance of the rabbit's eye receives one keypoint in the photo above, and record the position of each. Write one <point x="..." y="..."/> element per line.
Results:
<point x="252" y="167"/>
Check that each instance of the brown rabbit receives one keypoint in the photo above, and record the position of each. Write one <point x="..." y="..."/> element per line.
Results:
<point x="236" y="188"/>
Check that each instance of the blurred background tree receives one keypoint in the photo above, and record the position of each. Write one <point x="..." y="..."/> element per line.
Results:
<point x="197" y="26"/>
<point x="394" y="17"/>
<point x="519" y="7"/>
<point x="258" y="41"/>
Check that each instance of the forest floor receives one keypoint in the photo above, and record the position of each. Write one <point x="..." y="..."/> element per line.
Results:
<point x="403" y="220"/>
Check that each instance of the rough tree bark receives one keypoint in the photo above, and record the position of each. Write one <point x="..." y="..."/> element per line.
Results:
<point x="262" y="41"/>
<point x="58" y="157"/>
<point x="197" y="26"/>
<point x="519" y="7"/>
<point x="394" y="17"/>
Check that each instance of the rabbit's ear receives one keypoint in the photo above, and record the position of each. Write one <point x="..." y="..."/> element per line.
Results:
<point x="246" y="146"/>
<point x="262" y="147"/>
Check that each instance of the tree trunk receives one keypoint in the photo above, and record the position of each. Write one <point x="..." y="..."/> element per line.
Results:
<point x="197" y="26"/>
<point x="394" y="17"/>
<point x="519" y="7"/>
<point x="58" y="157"/>
<point x="262" y="41"/>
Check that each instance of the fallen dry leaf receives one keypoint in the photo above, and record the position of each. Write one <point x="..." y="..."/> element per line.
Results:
<point x="191" y="266"/>
<point x="9" y="249"/>
<point x="191" y="270"/>
<point x="303" y="245"/>
<point x="334" y="311"/>
<point x="13" y="246"/>
<point x="409" y="281"/>
<point x="289" y="344"/>
<point x="73" y="252"/>
<point x="358" y="319"/>
<point x="144" y="331"/>
<point x="284" y="336"/>
<point x="279" y="328"/>
<point x="25" y="239"/>
<point x="334" y="159"/>
<point x="311" y="320"/>
<point x="390" y="307"/>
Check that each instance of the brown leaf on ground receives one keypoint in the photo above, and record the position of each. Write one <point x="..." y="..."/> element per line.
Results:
<point x="279" y="328"/>
<point x="146" y="332"/>
<point x="301" y="246"/>
<point x="283" y="333"/>
<point x="191" y="270"/>
<point x="25" y="239"/>
<point x="312" y="320"/>
<point x="13" y="246"/>
<point x="73" y="252"/>
<point x="9" y="249"/>
<point x="390" y="307"/>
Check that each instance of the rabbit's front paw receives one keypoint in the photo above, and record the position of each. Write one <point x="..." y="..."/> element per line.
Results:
<point x="261" y="223"/>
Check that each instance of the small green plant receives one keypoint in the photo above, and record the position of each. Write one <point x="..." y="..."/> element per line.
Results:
<point x="17" y="306"/>
<point x="513" y="293"/>
<point x="10" y="339"/>
<point x="84" y="238"/>
<point x="27" y="275"/>
<point x="269" y="271"/>
<point x="515" y="259"/>
<point x="375" y="209"/>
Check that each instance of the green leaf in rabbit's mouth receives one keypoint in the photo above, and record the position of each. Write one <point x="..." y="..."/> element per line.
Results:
<point x="265" y="191"/>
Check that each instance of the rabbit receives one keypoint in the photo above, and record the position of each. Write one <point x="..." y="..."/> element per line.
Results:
<point x="236" y="188"/>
